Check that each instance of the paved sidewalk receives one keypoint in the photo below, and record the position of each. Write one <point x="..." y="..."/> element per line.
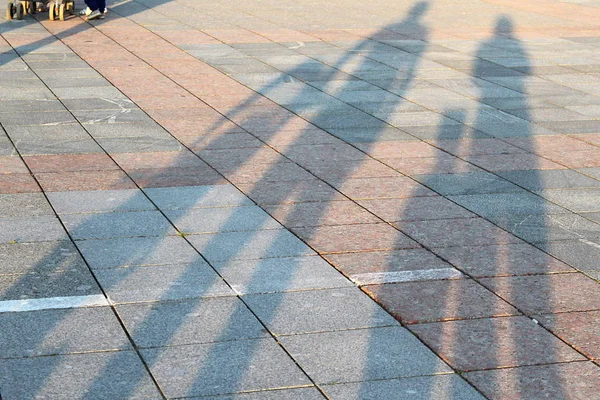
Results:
<point x="301" y="199"/>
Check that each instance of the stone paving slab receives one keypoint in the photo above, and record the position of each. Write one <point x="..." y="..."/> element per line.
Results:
<point x="189" y="322"/>
<point x="470" y="347"/>
<point x="330" y="357"/>
<point x="317" y="311"/>
<point x="122" y="224"/>
<point x="401" y="141"/>
<point x="216" y="368"/>
<point x="53" y="332"/>
<point x="168" y="282"/>
<point x="447" y="386"/>
<point x="279" y="274"/>
<point x="101" y="375"/>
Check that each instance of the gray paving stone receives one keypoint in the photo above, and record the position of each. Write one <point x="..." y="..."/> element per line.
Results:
<point x="29" y="147"/>
<point x="538" y="228"/>
<point x="40" y="118"/>
<point x="113" y="225"/>
<point x="163" y="282"/>
<point x="31" y="229"/>
<point x="31" y="105"/>
<point x="6" y="147"/>
<point x="318" y="311"/>
<point x="364" y="354"/>
<point x="39" y="258"/>
<point x="51" y="332"/>
<point x="77" y="83"/>
<point x="309" y="393"/>
<point x="24" y="205"/>
<point x="102" y="376"/>
<point x="47" y="132"/>
<point x="501" y="204"/>
<point x="149" y="129"/>
<point x="221" y="368"/>
<point x="439" y="387"/>
<point x="593" y="172"/>
<point x="225" y="219"/>
<point x="575" y="200"/>
<point x="99" y="201"/>
<point x="581" y="254"/>
<point x="183" y="198"/>
<point x="47" y="285"/>
<point x="549" y="179"/>
<point x="280" y="274"/>
<point x="469" y="183"/>
<point x="111" y="116"/>
<point x="129" y="252"/>
<point x="592" y="216"/>
<point x="190" y="322"/>
<point x="249" y="245"/>
<point x="105" y="92"/>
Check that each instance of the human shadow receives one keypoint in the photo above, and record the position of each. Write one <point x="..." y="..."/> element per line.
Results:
<point x="481" y="322"/>
<point x="322" y="120"/>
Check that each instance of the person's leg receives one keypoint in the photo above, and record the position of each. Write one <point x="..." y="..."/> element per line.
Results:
<point x="97" y="7"/>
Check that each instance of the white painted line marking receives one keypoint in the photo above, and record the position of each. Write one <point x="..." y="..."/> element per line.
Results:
<point x="406" y="276"/>
<point x="53" y="302"/>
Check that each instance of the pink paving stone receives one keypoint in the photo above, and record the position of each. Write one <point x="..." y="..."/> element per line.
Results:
<point x="84" y="180"/>
<point x="513" y="162"/>
<point x="158" y="160"/>
<point x="284" y="139"/>
<point x="568" y="381"/>
<point x="182" y="127"/>
<point x="235" y="36"/>
<point x="470" y="345"/>
<point x="578" y="159"/>
<point x="264" y="173"/>
<point x="591" y="138"/>
<point x="435" y="207"/>
<point x="501" y="260"/>
<point x="17" y="183"/>
<point x="321" y="213"/>
<point x="443" y="300"/>
<point x="71" y="162"/>
<point x="12" y="165"/>
<point x="400" y="149"/>
<point x="187" y="36"/>
<point x="456" y="232"/>
<point x="362" y="237"/>
<point x="541" y="294"/>
<point x="339" y="171"/>
<point x="166" y="177"/>
<point x="323" y="152"/>
<point x="166" y="102"/>
<point x="446" y="164"/>
<point x="236" y="158"/>
<point x="385" y="261"/>
<point x="579" y="329"/>
<point x="202" y="114"/>
<point x="383" y="188"/>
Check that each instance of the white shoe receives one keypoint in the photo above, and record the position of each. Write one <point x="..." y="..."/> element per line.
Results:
<point x="94" y="15"/>
<point x="105" y="11"/>
<point x="86" y="11"/>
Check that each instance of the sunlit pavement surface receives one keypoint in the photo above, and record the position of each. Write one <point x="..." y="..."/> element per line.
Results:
<point x="302" y="199"/>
